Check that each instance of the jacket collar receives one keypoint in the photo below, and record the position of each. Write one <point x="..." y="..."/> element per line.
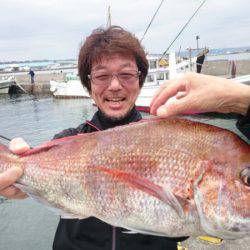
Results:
<point x="101" y="122"/>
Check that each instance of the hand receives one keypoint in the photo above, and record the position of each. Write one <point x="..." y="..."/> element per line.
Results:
<point x="10" y="176"/>
<point x="197" y="93"/>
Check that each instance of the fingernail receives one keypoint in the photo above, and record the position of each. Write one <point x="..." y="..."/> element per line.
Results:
<point x="161" y="111"/>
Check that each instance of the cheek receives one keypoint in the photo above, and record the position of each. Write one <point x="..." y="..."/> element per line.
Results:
<point x="135" y="92"/>
<point x="133" y="89"/>
<point x="96" y="93"/>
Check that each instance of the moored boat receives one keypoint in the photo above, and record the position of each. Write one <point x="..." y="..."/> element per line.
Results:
<point x="5" y="84"/>
<point x="159" y="75"/>
<point x="71" y="88"/>
<point x="243" y="79"/>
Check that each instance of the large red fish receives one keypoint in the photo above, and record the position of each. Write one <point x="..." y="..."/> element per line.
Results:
<point x="170" y="177"/>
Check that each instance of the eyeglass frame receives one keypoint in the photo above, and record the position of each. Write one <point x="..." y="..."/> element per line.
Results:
<point x="138" y="74"/>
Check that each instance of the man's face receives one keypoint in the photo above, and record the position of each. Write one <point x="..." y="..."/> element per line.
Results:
<point x="115" y="98"/>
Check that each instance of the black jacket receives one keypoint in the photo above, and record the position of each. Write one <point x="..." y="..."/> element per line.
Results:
<point x="93" y="234"/>
<point x="243" y="124"/>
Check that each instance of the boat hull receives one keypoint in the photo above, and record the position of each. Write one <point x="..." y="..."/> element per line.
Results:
<point x="5" y="85"/>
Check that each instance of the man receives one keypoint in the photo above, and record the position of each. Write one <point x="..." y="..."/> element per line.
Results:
<point x="112" y="66"/>
<point x="32" y="76"/>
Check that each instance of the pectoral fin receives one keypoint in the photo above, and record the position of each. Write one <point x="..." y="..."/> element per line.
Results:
<point x="147" y="186"/>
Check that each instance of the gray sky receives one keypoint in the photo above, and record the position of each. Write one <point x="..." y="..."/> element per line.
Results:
<point x="54" y="29"/>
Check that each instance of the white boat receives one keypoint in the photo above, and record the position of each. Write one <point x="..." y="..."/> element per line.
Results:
<point x="243" y="79"/>
<point x="5" y="84"/>
<point x="158" y="75"/>
<point x="71" y="88"/>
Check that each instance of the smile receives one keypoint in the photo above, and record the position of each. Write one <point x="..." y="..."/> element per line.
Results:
<point x="120" y="99"/>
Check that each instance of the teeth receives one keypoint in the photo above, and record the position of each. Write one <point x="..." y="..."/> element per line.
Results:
<point x="115" y="99"/>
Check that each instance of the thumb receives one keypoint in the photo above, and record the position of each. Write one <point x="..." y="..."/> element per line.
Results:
<point x="165" y="110"/>
<point x="174" y="108"/>
<point x="18" y="146"/>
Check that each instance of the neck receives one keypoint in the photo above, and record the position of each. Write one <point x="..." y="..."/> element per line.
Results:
<point x="110" y="122"/>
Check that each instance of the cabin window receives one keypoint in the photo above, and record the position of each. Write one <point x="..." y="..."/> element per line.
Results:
<point x="152" y="64"/>
<point x="160" y="76"/>
<point x="150" y="78"/>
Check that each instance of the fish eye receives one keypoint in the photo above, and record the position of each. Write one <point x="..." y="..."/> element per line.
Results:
<point x="245" y="176"/>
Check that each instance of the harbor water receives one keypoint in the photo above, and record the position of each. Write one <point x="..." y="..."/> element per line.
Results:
<point x="26" y="225"/>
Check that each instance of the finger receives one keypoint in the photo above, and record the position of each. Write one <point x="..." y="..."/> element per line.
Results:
<point x="169" y="91"/>
<point x="160" y="89"/>
<point x="186" y="106"/>
<point x="10" y="176"/>
<point x="176" y="107"/>
<point x="181" y="94"/>
<point x="18" y="146"/>
<point x="165" y="110"/>
<point x="11" y="192"/>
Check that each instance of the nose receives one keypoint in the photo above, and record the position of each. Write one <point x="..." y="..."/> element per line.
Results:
<point x="115" y="84"/>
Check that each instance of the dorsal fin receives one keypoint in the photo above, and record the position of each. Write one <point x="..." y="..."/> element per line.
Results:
<point x="54" y="143"/>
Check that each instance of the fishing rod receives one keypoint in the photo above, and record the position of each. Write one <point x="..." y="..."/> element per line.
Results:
<point x="152" y="19"/>
<point x="5" y="138"/>
<point x="186" y="24"/>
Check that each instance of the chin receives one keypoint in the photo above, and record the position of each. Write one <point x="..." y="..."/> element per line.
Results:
<point x="116" y="116"/>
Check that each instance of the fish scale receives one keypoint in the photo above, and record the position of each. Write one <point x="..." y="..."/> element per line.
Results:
<point x="169" y="177"/>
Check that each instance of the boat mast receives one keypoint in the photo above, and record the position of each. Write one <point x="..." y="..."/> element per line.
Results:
<point x="109" y="17"/>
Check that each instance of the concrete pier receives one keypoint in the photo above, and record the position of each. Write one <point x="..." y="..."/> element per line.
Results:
<point x="42" y="81"/>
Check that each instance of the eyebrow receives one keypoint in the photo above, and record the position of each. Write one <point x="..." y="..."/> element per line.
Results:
<point x="100" y="67"/>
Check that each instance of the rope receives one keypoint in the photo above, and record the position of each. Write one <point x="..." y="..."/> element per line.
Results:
<point x="165" y="52"/>
<point x="152" y="19"/>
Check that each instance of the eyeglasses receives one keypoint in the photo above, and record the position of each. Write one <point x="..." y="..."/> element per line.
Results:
<point x="125" y="77"/>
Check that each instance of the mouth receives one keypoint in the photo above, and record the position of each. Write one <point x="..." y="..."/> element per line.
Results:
<point x="115" y="100"/>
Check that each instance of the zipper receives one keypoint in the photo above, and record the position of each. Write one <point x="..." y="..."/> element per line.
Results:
<point x="113" y="238"/>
